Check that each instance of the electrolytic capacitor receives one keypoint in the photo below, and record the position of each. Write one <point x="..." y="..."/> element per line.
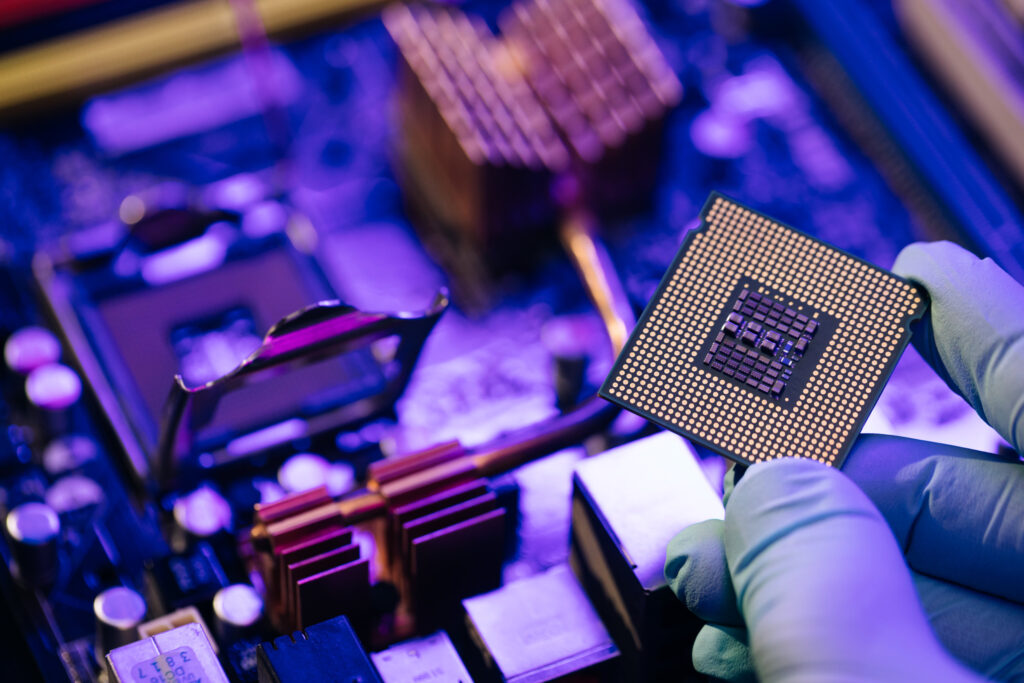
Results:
<point x="119" y="611"/>
<point x="304" y="471"/>
<point x="74" y="492"/>
<point x="68" y="453"/>
<point x="30" y="348"/>
<point x="201" y="514"/>
<point x="52" y="390"/>
<point x="238" y="609"/>
<point x="34" y="529"/>
<point x="569" y="341"/>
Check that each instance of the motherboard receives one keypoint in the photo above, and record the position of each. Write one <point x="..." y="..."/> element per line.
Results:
<point x="303" y="342"/>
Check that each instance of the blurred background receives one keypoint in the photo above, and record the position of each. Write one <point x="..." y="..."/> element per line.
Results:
<point x="867" y="124"/>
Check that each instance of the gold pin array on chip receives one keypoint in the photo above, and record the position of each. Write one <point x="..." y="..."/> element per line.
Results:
<point x="763" y="342"/>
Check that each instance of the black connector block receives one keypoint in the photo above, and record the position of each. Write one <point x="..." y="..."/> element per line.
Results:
<point x="328" y="651"/>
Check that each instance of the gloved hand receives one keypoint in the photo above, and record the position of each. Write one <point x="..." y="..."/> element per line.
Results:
<point x="807" y="578"/>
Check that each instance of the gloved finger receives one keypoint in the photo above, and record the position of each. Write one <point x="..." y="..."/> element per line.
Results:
<point x="731" y="478"/>
<point x="696" y="572"/>
<point x="822" y="584"/>
<point x="721" y="652"/>
<point x="958" y="514"/>
<point x="973" y="334"/>
<point x="984" y="632"/>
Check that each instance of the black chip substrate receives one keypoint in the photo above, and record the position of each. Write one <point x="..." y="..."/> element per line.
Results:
<point x="763" y="342"/>
<point x="766" y="342"/>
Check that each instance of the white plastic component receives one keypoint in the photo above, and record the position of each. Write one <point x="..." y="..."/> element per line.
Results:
<point x="184" y="653"/>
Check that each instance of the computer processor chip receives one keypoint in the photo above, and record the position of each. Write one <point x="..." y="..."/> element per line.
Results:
<point x="762" y="342"/>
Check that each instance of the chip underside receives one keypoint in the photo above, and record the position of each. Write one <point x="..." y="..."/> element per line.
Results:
<point x="762" y="342"/>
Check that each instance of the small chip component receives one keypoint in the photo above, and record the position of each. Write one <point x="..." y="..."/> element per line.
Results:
<point x="762" y="342"/>
<point x="541" y="628"/>
<point x="177" y="619"/>
<point x="772" y="342"/>
<point x="178" y="655"/>
<point x="184" y="579"/>
<point x="432" y="658"/>
<point x="328" y="651"/>
<point x="627" y="504"/>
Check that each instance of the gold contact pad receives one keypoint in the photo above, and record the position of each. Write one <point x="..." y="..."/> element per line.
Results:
<point x="658" y="374"/>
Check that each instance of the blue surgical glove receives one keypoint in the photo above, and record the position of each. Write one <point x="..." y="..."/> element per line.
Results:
<point x="913" y="551"/>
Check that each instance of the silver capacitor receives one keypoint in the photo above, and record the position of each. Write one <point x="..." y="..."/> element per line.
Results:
<point x="304" y="471"/>
<point x="29" y="348"/>
<point x="68" y="453"/>
<point x="34" y="529"/>
<point x="199" y="515"/>
<point x="118" y="611"/>
<point x="74" y="492"/>
<point x="567" y="339"/>
<point x="238" y="609"/>
<point x="52" y="390"/>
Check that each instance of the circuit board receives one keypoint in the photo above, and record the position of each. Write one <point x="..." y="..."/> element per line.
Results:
<point x="253" y="531"/>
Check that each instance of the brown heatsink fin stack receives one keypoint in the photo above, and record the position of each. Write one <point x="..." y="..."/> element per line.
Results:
<point x="446" y="532"/>
<point x="476" y="150"/>
<point x="607" y="86"/>
<point x="312" y="568"/>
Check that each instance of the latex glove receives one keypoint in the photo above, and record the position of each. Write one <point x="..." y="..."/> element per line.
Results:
<point x="807" y="579"/>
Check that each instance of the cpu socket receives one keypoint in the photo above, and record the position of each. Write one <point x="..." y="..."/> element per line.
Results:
<point x="204" y="352"/>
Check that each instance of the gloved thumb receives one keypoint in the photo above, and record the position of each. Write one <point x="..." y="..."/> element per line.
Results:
<point x="973" y="333"/>
<point x="822" y="584"/>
